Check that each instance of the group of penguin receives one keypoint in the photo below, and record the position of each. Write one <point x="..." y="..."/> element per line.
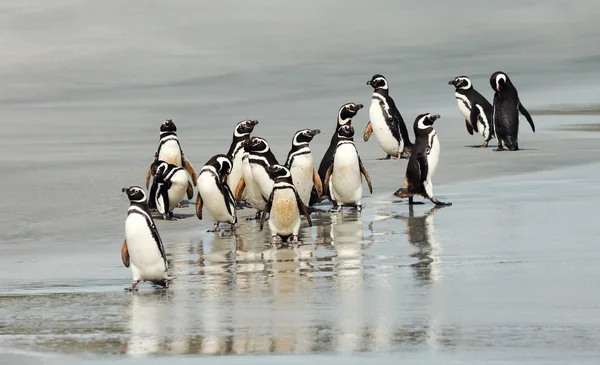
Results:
<point x="250" y="173"/>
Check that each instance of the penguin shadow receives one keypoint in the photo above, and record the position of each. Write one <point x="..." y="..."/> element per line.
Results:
<point x="478" y="146"/>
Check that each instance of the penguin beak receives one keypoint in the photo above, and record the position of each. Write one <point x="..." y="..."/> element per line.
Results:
<point x="434" y="117"/>
<point x="452" y="82"/>
<point x="369" y="82"/>
<point x="254" y="123"/>
<point x="124" y="190"/>
<point x="314" y="132"/>
<point x="359" y="106"/>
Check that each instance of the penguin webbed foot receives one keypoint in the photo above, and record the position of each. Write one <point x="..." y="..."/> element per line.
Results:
<point x="215" y="229"/>
<point x="484" y="145"/>
<point x="182" y="204"/>
<point x="437" y="202"/>
<point x="387" y="157"/>
<point x="336" y="208"/>
<point x="358" y="207"/>
<point x="412" y="202"/>
<point x="295" y="240"/>
<point x="133" y="287"/>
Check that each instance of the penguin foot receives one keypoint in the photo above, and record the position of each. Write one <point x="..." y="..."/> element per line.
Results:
<point x="181" y="205"/>
<point x="412" y="202"/>
<point x="133" y="287"/>
<point x="437" y="202"/>
<point x="295" y="240"/>
<point x="484" y="145"/>
<point x="232" y="227"/>
<point x="385" y="158"/>
<point x="215" y="229"/>
<point x="358" y="207"/>
<point x="274" y="239"/>
<point x="161" y="284"/>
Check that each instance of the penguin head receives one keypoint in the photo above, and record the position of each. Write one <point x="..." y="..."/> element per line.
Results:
<point x="461" y="82"/>
<point x="346" y="131"/>
<point x="223" y="165"/>
<point x="425" y="121"/>
<point x="257" y="145"/>
<point x="304" y="136"/>
<point x="135" y="194"/>
<point x="499" y="81"/>
<point x="347" y="112"/>
<point x="277" y="172"/>
<point x="168" y="126"/>
<point x="159" y="167"/>
<point x="378" y="82"/>
<point x="244" y="128"/>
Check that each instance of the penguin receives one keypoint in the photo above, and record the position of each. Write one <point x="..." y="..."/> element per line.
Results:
<point x="169" y="150"/>
<point x="215" y="194"/>
<point x="343" y="179"/>
<point x="169" y="185"/>
<point x="301" y="165"/>
<point x="241" y="134"/>
<point x="246" y="188"/>
<point x="386" y="121"/>
<point x="344" y="117"/>
<point x="476" y="110"/>
<point x="423" y="161"/>
<point x="143" y="248"/>
<point x="284" y="206"/>
<point x="507" y="106"/>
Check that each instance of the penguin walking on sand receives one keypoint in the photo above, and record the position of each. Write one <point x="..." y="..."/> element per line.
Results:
<point x="169" y="150"/>
<point x="507" y="106"/>
<point x="301" y="165"/>
<point x="344" y="117"/>
<point x="241" y="134"/>
<point x="343" y="179"/>
<point x="386" y="121"/>
<point x="214" y="192"/>
<point x="284" y="206"/>
<point x="143" y="249"/>
<point x="423" y="161"/>
<point x="169" y="185"/>
<point x="475" y="108"/>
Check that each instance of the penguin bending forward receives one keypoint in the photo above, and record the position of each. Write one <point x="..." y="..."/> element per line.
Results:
<point x="284" y="206"/>
<point x="169" y="150"/>
<point x="386" y="121"/>
<point x="507" y="106"/>
<point x="214" y="193"/>
<point x="301" y="165"/>
<point x="344" y="117"/>
<point x="423" y="161"/>
<point x="241" y="134"/>
<point x="475" y="108"/>
<point x="169" y="185"/>
<point x="143" y="249"/>
<point x="343" y="179"/>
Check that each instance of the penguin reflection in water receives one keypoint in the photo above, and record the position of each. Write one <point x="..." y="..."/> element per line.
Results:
<point x="284" y="206"/>
<point x="215" y="194"/>
<point x="143" y="249"/>
<point x="423" y="161"/>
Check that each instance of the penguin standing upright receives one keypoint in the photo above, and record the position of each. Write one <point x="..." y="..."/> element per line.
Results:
<point x="169" y="150"/>
<point x="241" y="134"/>
<point x="143" y="249"/>
<point x="214" y="193"/>
<point x="169" y="185"/>
<point x="301" y="165"/>
<point x="507" y="106"/>
<point x="284" y="206"/>
<point x="344" y="117"/>
<point x="423" y="161"/>
<point x="343" y="179"/>
<point x="476" y="110"/>
<point x="386" y="121"/>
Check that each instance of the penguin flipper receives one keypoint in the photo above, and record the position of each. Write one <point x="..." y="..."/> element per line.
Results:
<point x="368" y="132"/>
<point x="267" y="210"/>
<point x="190" y="169"/>
<point x="302" y="208"/>
<point x="317" y="182"/>
<point x="239" y="189"/>
<point x="400" y="122"/>
<point x="125" y="254"/>
<point x="190" y="191"/>
<point x="527" y="116"/>
<point x="199" y="206"/>
<point x="148" y="174"/>
<point x="473" y="117"/>
<point x="363" y="170"/>
<point x="469" y="127"/>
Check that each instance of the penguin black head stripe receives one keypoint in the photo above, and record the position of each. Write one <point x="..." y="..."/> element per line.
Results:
<point x="245" y="127"/>
<point x="378" y="82"/>
<point x="461" y="82"/>
<point x="425" y="121"/>
<point x="278" y="172"/>
<point x="135" y="194"/>
<point x="304" y="136"/>
<point x="346" y="131"/>
<point x="347" y="112"/>
<point x="168" y="126"/>
<point x="258" y="145"/>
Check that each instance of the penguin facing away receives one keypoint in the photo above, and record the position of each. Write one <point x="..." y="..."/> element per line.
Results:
<point x="386" y="121"/>
<point x="343" y="180"/>
<point x="241" y="134"/>
<point x="475" y="108"/>
<point x="507" y="106"/>
<point x="284" y="206"/>
<point x="344" y="117"/>
<point x="143" y="250"/>
<point x="169" y="186"/>
<point x="423" y="161"/>
<point x="214" y="193"/>
<point x="169" y="150"/>
<point x="301" y="165"/>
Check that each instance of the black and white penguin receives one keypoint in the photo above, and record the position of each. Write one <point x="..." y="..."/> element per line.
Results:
<point x="386" y="121"/>
<point x="215" y="194"/>
<point x="475" y="108"/>
<point x="169" y="150"/>
<point x="344" y="117"/>
<point x="343" y="180"/>
<point x="241" y="134"/>
<point x="301" y="165"/>
<point x="143" y="249"/>
<point x="507" y="106"/>
<point x="169" y="185"/>
<point x="284" y="206"/>
<point x="423" y="161"/>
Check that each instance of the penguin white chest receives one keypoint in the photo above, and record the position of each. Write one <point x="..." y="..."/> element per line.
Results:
<point x="464" y="105"/>
<point x="144" y="255"/>
<point x="434" y="154"/>
<point x="302" y="176"/>
<point x="179" y="182"/>
<point x="236" y="170"/>
<point x="284" y="219"/>
<point x="346" y="181"/>
<point x="262" y="180"/>
<point x="379" y="114"/>
<point x="171" y="152"/>
<point x="212" y="198"/>
<point x="252" y="192"/>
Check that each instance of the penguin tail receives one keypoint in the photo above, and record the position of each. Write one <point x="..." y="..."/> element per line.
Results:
<point x="512" y="144"/>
